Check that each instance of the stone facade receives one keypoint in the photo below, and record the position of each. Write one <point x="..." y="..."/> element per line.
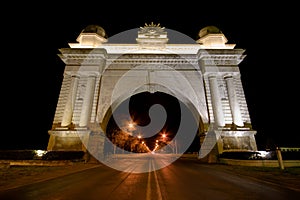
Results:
<point x="100" y="75"/>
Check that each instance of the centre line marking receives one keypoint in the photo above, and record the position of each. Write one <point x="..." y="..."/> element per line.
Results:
<point x="148" y="193"/>
<point x="157" y="185"/>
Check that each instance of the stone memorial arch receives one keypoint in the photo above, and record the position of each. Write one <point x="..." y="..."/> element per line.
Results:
<point x="204" y="75"/>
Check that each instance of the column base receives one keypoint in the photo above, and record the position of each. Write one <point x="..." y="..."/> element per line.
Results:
<point x="241" y="140"/>
<point x="90" y="142"/>
<point x="95" y="146"/>
<point x="67" y="140"/>
<point x="215" y="142"/>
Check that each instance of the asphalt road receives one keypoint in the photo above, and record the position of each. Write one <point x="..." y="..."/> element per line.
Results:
<point x="183" y="179"/>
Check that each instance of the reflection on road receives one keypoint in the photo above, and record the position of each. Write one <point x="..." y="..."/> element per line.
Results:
<point x="140" y="162"/>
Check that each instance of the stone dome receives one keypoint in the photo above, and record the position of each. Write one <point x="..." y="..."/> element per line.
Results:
<point x="211" y="37"/>
<point x="95" y="29"/>
<point x="209" y="30"/>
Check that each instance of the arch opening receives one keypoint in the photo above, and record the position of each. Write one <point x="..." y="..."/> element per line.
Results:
<point x="148" y="128"/>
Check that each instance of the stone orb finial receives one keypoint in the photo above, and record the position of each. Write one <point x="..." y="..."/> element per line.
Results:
<point x="211" y="37"/>
<point x="92" y="36"/>
<point x="209" y="30"/>
<point x="95" y="29"/>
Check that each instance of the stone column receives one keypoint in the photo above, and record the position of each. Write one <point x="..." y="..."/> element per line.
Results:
<point x="216" y="101"/>
<point x="88" y="101"/>
<point x="233" y="101"/>
<point x="68" y="112"/>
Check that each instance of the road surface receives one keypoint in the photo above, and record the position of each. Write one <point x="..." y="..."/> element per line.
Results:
<point x="184" y="179"/>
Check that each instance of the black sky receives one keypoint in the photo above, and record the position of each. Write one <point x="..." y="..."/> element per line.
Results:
<point x="32" y="72"/>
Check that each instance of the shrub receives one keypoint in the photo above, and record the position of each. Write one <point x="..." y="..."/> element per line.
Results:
<point x="17" y="154"/>
<point x="63" y="155"/>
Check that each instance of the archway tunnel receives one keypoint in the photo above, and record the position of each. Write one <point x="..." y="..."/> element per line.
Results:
<point x="152" y="122"/>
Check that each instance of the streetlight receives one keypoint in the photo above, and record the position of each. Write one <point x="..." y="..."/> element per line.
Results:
<point x="130" y="125"/>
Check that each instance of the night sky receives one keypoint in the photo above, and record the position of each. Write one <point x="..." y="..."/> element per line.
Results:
<point x="32" y="72"/>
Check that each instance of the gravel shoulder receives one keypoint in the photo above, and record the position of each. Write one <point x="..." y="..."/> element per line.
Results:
<point x="289" y="177"/>
<point x="16" y="176"/>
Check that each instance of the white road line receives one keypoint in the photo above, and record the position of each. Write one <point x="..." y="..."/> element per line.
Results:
<point x="157" y="185"/>
<point x="148" y="192"/>
<point x="158" y="191"/>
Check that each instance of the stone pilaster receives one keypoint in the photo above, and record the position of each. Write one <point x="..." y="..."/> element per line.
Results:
<point x="234" y="102"/>
<point x="88" y="101"/>
<point x="216" y="101"/>
<point x="68" y="112"/>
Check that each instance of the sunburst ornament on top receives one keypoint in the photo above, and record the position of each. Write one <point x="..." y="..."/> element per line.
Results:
<point x="152" y="29"/>
<point x="153" y="25"/>
<point x="152" y="36"/>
